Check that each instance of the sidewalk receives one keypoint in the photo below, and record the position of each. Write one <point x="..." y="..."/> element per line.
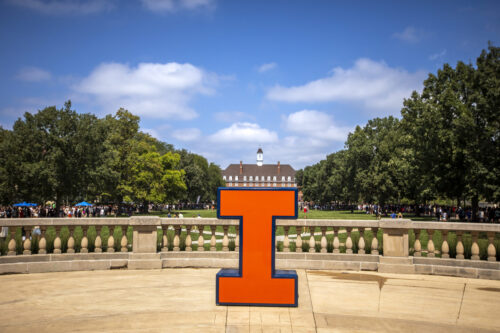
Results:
<point x="183" y="300"/>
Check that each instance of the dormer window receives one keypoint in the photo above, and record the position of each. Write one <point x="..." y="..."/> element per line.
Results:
<point x="230" y="178"/>
<point x="268" y="177"/>
<point x="274" y="178"/>
<point x="282" y="178"/>
<point x="224" y="177"/>
<point x="289" y="178"/>
<point x="251" y="178"/>
<point x="245" y="178"/>
<point x="235" y="177"/>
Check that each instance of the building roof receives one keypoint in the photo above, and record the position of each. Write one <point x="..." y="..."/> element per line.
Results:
<point x="255" y="170"/>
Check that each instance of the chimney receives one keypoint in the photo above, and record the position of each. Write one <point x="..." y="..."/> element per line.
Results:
<point x="241" y="167"/>
<point x="279" y="167"/>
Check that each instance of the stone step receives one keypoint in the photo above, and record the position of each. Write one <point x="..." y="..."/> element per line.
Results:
<point x="396" y="260"/>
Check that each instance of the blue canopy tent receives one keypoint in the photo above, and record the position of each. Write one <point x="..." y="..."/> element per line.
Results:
<point x="83" y="203"/>
<point x="22" y="204"/>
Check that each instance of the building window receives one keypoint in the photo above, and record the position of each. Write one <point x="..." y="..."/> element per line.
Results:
<point x="268" y="184"/>
<point x="288" y="184"/>
<point x="235" y="177"/>
<point x="268" y="178"/>
<point x="245" y="178"/>
<point x="230" y="178"/>
<point x="274" y="178"/>
<point x="224" y="177"/>
<point x="256" y="178"/>
<point x="289" y="178"/>
<point x="282" y="178"/>
<point x="251" y="178"/>
<point x="274" y="184"/>
<point x="245" y="184"/>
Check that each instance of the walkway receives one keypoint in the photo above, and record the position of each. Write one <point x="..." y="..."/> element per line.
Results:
<point x="183" y="300"/>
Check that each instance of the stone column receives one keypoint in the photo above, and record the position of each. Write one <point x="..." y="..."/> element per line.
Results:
<point x="27" y="241"/>
<point x="298" y="241"/>
<point x="348" y="242"/>
<point x="312" y="241"/>
<point x="445" y="248"/>
<point x="430" y="244"/>
<point x="201" y="240"/>
<point x="361" y="242"/>
<point x="164" y="239"/>
<point x="492" y="255"/>
<point x="111" y="240"/>
<point x="237" y="240"/>
<point x="71" y="240"/>
<point x="124" y="240"/>
<point x="286" y="241"/>
<point x="177" y="237"/>
<point x="395" y="241"/>
<point x="57" y="241"/>
<point x="460" y="246"/>
<point x="417" y="246"/>
<point x="189" y="242"/>
<point x="474" y="250"/>
<point x="12" y="242"/>
<point x="213" y="241"/>
<point x="336" y="242"/>
<point x="323" y="240"/>
<point x="85" y="241"/>
<point x="225" y="239"/>
<point x="98" y="240"/>
<point x="42" y="243"/>
<point x="374" y="245"/>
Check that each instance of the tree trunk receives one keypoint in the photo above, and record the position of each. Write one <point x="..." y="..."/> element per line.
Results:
<point x="475" y="206"/>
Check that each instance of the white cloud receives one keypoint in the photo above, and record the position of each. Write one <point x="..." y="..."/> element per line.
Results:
<point x="187" y="134"/>
<point x="33" y="74"/>
<point x="175" y="5"/>
<point x="154" y="133"/>
<point x="409" y="35"/>
<point x="438" y="55"/>
<point x="150" y="89"/>
<point x="60" y="7"/>
<point x="373" y="84"/>
<point x="316" y="125"/>
<point x="266" y="67"/>
<point x="244" y="133"/>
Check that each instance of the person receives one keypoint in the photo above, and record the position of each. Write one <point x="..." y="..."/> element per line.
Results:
<point x="400" y="215"/>
<point x="180" y="215"/>
<point x="393" y="215"/>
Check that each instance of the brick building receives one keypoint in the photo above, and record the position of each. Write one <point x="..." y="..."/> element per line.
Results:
<point x="259" y="174"/>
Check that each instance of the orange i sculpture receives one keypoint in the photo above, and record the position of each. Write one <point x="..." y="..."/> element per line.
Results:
<point x="256" y="282"/>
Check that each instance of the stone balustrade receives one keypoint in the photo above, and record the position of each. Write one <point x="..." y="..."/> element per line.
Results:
<point x="150" y="242"/>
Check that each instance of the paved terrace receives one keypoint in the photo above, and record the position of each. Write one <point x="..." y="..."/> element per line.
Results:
<point x="183" y="300"/>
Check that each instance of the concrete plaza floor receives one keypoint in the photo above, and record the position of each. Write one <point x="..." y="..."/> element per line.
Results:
<point x="183" y="300"/>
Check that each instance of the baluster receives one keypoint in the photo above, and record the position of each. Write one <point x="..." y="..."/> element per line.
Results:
<point x="312" y="241"/>
<point x="336" y="242"/>
<point x="177" y="238"/>
<point x="237" y="240"/>
<point x="374" y="247"/>
<point x="71" y="240"/>
<point x="111" y="240"/>
<point x="298" y="241"/>
<point x="225" y="240"/>
<point x="417" y="246"/>
<point x="12" y="242"/>
<point x="124" y="241"/>
<point x="42" y="243"/>
<point x="474" y="250"/>
<point x="189" y="242"/>
<point x="445" y="248"/>
<point x="430" y="244"/>
<point x="213" y="241"/>
<point x="57" y="241"/>
<point x="201" y="240"/>
<point x="361" y="242"/>
<point x="286" y="241"/>
<point x="323" y="240"/>
<point x="98" y="240"/>
<point x="27" y="241"/>
<point x="85" y="241"/>
<point x="348" y="242"/>
<point x="164" y="239"/>
<point x="460" y="246"/>
<point x="492" y="255"/>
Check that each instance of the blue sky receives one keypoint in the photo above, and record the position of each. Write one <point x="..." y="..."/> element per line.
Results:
<point x="221" y="78"/>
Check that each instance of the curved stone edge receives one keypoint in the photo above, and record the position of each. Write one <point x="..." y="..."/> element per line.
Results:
<point x="321" y="261"/>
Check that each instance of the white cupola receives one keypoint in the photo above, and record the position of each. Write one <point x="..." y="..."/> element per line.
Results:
<point x="260" y="157"/>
